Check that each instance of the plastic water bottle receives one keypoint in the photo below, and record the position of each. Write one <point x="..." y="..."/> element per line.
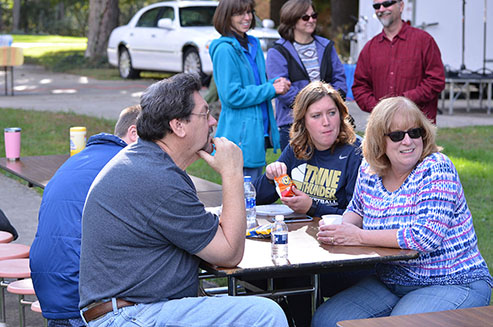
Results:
<point x="279" y="241"/>
<point x="250" y="202"/>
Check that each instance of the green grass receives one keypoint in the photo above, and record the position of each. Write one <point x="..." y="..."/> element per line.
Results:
<point x="23" y="38"/>
<point x="66" y="54"/>
<point x="43" y="133"/>
<point x="470" y="149"/>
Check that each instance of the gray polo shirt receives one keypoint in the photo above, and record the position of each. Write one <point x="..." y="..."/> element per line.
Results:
<point x="141" y="226"/>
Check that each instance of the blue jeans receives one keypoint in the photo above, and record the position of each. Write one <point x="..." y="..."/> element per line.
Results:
<point x="72" y="322"/>
<point x="198" y="311"/>
<point x="371" y="298"/>
<point x="284" y="135"/>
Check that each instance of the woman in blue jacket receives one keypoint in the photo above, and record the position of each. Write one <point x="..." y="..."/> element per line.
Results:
<point x="246" y="117"/>
<point x="301" y="57"/>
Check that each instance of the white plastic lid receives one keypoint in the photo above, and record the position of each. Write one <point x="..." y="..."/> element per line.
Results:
<point x="12" y="129"/>
<point x="279" y="217"/>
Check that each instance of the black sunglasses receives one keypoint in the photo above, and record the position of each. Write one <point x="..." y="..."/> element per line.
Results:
<point x="306" y="17"/>
<point x="386" y="4"/>
<point x="413" y="133"/>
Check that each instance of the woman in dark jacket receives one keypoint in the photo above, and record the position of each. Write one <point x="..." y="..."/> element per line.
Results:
<point x="301" y="57"/>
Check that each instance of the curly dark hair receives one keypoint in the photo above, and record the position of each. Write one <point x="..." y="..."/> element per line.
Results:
<point x="163" y="101"/>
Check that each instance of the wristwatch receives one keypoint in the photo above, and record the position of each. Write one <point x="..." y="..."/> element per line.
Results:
<point x="313" y="209"/>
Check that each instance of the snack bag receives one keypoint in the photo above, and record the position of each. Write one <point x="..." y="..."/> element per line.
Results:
<point x="261" y="231"/>
<point x="284" y="186"/>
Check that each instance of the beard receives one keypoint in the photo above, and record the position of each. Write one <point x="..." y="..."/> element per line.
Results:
<point x="385" y="19"/>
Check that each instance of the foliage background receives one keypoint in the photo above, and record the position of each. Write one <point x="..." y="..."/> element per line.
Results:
<point x="71" y="17"/>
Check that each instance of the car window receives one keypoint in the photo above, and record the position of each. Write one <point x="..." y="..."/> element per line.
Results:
<point x="196" y="16"/>
<point x="167" y="13"/>
<point x="149" y="18"/>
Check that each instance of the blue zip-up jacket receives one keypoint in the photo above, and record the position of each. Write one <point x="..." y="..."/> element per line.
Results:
<point x="55" y="252"/>
<point x="277" y="66"/>
<point x="241" y="118"/>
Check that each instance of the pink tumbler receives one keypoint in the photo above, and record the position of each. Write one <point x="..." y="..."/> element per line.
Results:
<point x="12" y="143"/>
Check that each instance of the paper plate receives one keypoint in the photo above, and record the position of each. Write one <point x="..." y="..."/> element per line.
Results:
<point x="273" y="209"/>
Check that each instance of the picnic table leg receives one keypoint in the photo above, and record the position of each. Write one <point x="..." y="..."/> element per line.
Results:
<point x="316" y="300"/>
<point x="12" y="80"/>
<point x="6" y="79"/>
<point x="2" y="300"/>
<point x="451" y="98"/>
<point x="489" y="96"/>
<point x="232" y="284"/>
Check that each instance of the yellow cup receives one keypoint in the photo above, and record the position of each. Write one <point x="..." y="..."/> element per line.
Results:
<point x="77" y="139"/>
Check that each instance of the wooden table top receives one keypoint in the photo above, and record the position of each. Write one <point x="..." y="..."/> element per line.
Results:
<point x="471" y="317"/>
<point x="306" y="255"/>
<point x="38" y="170"/>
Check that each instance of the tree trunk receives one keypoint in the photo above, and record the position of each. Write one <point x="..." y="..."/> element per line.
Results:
<point x="103" y="18"/>
<point x="344" y="15"/>
<point x="60" y="11"/>
<point x="16" y="15"/>
<point x="275" y="10"/>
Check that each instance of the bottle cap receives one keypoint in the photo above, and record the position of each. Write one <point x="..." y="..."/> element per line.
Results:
<point x="247" y="178"/>
<point x="78" y="129"/>
<point x="279" y="217"/>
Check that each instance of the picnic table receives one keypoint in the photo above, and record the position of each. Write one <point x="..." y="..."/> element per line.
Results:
<point x="9" y="58"/>
<point x="38" y="170"/>
<point x="306" y="257"/>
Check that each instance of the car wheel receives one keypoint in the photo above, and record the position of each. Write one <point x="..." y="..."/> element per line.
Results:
<point x="191" y="62"/>
<point x="125" y="65"/>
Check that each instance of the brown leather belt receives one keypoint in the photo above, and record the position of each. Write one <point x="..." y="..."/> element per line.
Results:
<point x="99" y="309"/>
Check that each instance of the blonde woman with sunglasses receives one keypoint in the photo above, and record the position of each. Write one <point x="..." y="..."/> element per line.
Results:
<point x="301" y="56"/>
<point x="408" y="195"/>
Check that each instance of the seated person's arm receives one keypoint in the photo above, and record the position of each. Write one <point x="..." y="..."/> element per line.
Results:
<point x="227" y="246"/>
<point x="351" y="233"/>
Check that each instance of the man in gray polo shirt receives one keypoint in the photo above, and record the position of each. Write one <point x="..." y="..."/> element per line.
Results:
<point x="144" y="230"/>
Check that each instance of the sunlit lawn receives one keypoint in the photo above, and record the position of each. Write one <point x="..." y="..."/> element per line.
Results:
<point x="49" y="43"/>
<point x="66" y="54"/>
<point x="470" y="149"/>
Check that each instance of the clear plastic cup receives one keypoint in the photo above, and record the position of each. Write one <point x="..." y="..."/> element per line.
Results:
<point x="332" y="219"/>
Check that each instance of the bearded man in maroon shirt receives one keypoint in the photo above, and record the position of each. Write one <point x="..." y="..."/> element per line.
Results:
<point x="399" y="61"/>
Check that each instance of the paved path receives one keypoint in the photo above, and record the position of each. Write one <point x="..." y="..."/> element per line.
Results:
<point x="37" y="89"/>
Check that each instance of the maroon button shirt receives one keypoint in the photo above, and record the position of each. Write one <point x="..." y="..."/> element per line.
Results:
<point x="410" y="65"/>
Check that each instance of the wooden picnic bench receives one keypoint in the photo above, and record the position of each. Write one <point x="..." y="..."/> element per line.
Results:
<point x="471" y="317"/>
<point x="9" y="58"/>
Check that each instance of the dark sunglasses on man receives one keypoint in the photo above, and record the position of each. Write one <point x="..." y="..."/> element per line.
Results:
<point x="306" y="17"/>
<point x="385" y="4"/>
<point x="413" y="133"/>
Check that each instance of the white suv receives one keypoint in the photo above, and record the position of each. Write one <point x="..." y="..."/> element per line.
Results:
<point x="172" y="36"/>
